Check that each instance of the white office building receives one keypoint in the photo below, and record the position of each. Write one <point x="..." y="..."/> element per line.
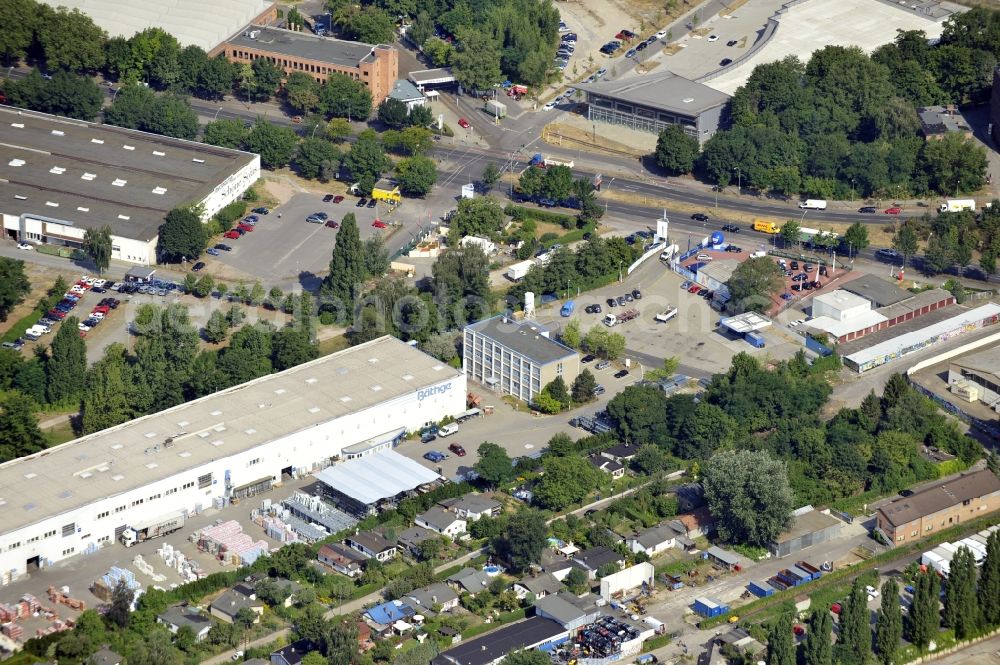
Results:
<point x="81" y="495"/>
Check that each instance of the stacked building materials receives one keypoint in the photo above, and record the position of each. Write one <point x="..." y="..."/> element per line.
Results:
<point x="175" y="559"/>
<point x="228" y="542"/>
<point x="13" y="631"/>
<point x="30" y="604"/>
<point x="275" y="528"/>
<point x="105" y="586"/>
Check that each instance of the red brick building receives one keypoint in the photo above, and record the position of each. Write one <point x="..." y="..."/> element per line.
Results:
<point x="377" y="66"/>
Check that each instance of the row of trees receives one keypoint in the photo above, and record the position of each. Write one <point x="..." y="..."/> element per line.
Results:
<point x="952" y="239"/>
<point x="845" y="123"/>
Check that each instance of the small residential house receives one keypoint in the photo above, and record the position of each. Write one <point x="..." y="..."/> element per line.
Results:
<point x="175" y="618"/>
<point x="538" y="585"/>
<point x="293" y="653"/>
<point x="344" y="560"/>
<point x="621" y="453"/>
<point x="658" y="539"/>
<point x="411" y="539"/>
<point x="228" y="605"/>
<point x="105" y="656"/>
<point x="286" y="589"/>
<point x="470" y="580"/>
<point x="427" y="597"/>
<point x="473" y="507"/>
<point x="591" y="560"/>
<point x="373" y="545"/>
<point x="441" y="521"/>
<point x="381" y="617"/>
<point x="698" y="522"/>
<point x="607" y="465"/>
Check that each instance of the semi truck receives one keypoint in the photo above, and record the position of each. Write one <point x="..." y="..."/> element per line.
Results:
<point x="612" y="320"/>
<point x="542" y="162"/>
<point x="813" y="204"/>
<point x="958" y="205"/>
<point x="495" y="108"/>
<point x="519" y="271"/>
<point x="155" y="528"/>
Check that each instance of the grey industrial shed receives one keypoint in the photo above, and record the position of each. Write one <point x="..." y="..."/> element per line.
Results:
<point x="808" y="528"/>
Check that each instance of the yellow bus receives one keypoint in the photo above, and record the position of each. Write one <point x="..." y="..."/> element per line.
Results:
<point x="765" y="227"/>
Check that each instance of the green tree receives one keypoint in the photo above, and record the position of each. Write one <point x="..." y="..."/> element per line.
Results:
<point x="577" y="581"/>
<point x="650" y="459"/>
<point x="889" y="624"/>
<point x="905" y="241"/>
<point x="571" y="334"/>
<point x="20" y="18"/>
<point x="226" y="133"/>
<point x="748" y="495"/>
<point x="522" y="539"/>
<point x="988" y="590"/>
<point x="557" y="183"/>
<point x="70" y="40"/>
<point x="668" y="369"/>
<point x="420" y="116"/>
<point x="343" y="97"/>
<point x="416" y="175"/>
<point x="567" y="481"/>
<point x="14" y="285"/>
<point x="924" y="618"/>
<point x="171" y="115"/>
<point x="583" y="387"/>
<point x="817" y="649"/>
<point x="476" y="61"/>
<point x="558" y="390"/>
<point x="955" y="164"/>
<point x="415" y="140"/>
<point x="274" y="144"/>
<point x="754" y="283"/>
<point x="317" y="158"/>
<point x="856" y="236"/>
<point x="216" y="328"/>
<point x="376" y="257"/>
<point x="302" y="92"/>
<point x="482" y="216"/>
<point x="960" y="609"/>
<point x="392" y="113"/>
<point x="66" y="368"/>
<point x="64" y="94"/>
<point x="460" y="282"/>
<point x="19" y="433"/>
<point x="119" y="612"/>
<point x="182" y="236"/>
<point x="491" y="176"/>
<point x="347" y="269"/>
<point x="780" y="645"/>
<point x="494" y="465"/>
<point x="106" y="400"/>
<point x="854" y="642"/>
<point x="97" y="245"/>
<point x="438" y="51"/>
<point x="790" y="233"/>
<point x="215" y="78"/>
<point x="367" y="160"/>
<point x="676" y="151"/>
<point x="370" y="25"/>
<point x="203" y="287"/>
<point x="132" y="106"/>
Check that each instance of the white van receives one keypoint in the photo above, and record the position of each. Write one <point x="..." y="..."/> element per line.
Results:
<point x="813" y="204"/>
<point x="448" y="430"/>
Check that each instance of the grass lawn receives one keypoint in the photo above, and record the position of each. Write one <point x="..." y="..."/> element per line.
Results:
<point x="60" y="433"/>
<point x="333" y="344"/>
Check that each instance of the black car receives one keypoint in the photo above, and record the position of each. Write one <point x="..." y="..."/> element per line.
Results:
<point x="641" y="47"/>
<point x="628" y="297"/>
<point x="621" y="301"/>
<point x="597" y="308"/>
<point x="98" y="289"/>
<point x="868" y="210"/>
<point x="795" y="264"/>
<point x="611" y="302"/>
<point x="725" y="62"/>
<point x="621" y="374"/>
<point x="361" y="202"/>
<point x="822" y="271"/>
<point x="224" y="248"/>
<point x="372" y="203"/>
<point x="731" y="42"/>
<point x="427" y="437"/>
<point x="327" y="198"/>
<point x="588" y="359"/>
<point x="731" y="228"/>
<point x="733" y="248"/>
<point x="637" y="294"/>
<point x="699" y="217"/>
<point x="198" y="266"/>
<point x="261" y="211"/>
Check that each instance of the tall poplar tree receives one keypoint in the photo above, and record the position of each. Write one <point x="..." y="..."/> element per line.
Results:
<point x="924" y="618"/>
<point x="347" y="268"/>
<point x="780" y="645"/>
<point x="818" y="649"/>
<point x="988" y="591"/>
<point x="66" y="368"/>
<point x="960" y="610"/>
<point x="855" y="639"/>
<point x="889" y="625"/>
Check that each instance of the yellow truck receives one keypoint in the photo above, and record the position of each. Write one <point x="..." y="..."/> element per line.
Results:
<point x="765" y="227"/>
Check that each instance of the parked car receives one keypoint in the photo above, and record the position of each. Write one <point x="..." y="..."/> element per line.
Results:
<point x="604" y="364"/>
<point x="699" y="217"/>
<point x="611" y="302"/>
<point x="327" y="198"/>
<point x="621" y="374"/>
<point x="713" y="38"/>
<point x="379" y="224"/>
<point x="427" y="437"/>
<point x="27" y="246"/>
<point x="457" y="449"/>
<point x="338" y="198"/>
<point x="261" y="211"/>
<point x="888" y="254"/>
<point x="894" y="210"/>
<point x="588" y="359"/>
<point x="637" y="294"/>
<point x="198" y="266"/>
<point x="332" y="224"/>
<point x="868" y="210"/>
<point x="211" y="251"/>
<point x="725" y="62"/>
<point x="621" y="301"/>
<point x="433" y="456"/>
<point x="463" y="123"/>
<point x="232" y="235"/>
<point x="731" y="42"/>
<point x="361" y="202"/>
<point x="372" y="203"/>
<point x="599" y="390"/>
<point x="224" y="248"/>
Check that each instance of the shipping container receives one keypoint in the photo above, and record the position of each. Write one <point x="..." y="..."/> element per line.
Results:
<point x="760" y="589"/>
<point x="709" y="607"/>
<point x="755" y="340"/>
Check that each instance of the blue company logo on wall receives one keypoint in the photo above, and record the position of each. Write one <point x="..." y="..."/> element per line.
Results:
<point x="430" y="392"/>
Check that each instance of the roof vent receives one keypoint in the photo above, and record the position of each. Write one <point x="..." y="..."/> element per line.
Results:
<point x="58" y="132"/>
<point x="30" y="476"/>
<point x="126" y="146"/>
<point x="16" y="162"/>
<point x="82" y="209"/>
<point x="311" y="380"/>
<point x="160" y="190"/>
<point x="98" y="141"/>
<point x="152" y="465"/>
<point x="124" y="217"/>
<point x="313" y="409"/>
<point x="19" y="125"/>
<point x="688" y="100"/>
<point x="119" y="182"/>
<point x="58" y="170"/>
<point x="197" y="161"/>
<point x="88" y="176"/>
<point x="20" y="197"/>
<point x="52" y="204"/>
<point x="345" y="399"/>
<point x="117" y="477"/>
<point x="376" y="388"/>
<point x="159" y="153"/>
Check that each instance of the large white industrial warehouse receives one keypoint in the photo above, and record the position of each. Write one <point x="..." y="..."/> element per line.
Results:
<point x="60" y="177"/>
<point x="82" y="494"/>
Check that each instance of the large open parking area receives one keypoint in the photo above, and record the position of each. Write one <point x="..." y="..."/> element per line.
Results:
<point x="813" y="25"/>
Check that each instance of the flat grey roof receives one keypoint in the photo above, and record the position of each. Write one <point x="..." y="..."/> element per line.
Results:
<point x="304" y="45"/>
<point x="559" y="608"/>
<point x="405" y="91"/>
<point x="665" y="91"/>
<point x="809" y="522"/>
<point x="187" y="20"/>
<point x="136" y="453"/>
<point x="879" y="291"/>
<point x="985" y="362"/>
<point x="523" y="337"/>
<point x="90" y="174"/>
<point x="431" y="76"/>
<point x="914" y="303"/>
<point x="496" y="644"/>
<point x="375" y="477"/>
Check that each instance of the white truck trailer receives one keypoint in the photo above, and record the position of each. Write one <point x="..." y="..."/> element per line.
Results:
<point x="154" y="528"/>
<point x="958" y="205"/>
<point x="518" y="271"/>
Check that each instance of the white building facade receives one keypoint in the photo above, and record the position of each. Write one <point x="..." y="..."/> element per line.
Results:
<point x="88" y="490"/>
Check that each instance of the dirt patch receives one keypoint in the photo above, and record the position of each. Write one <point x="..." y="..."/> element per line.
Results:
<point x="673" y="49"/>
<point x="736" y="4"/>
<point x="585" y="138"/>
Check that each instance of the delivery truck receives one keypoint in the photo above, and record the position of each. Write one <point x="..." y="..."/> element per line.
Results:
<point x="495" y="108"/>
<point x="813" y="204"/>
<point x="519" y="271"/>
<point x="612" y="320"/>
<point x="765" y="227"/>
<point x="666" y="315"/>
<point x="958" y="205"/>
<point x="155" y="528"/>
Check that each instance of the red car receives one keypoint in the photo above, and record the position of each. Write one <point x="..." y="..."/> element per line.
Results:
<point x="332" y="224"/>
<point x="457" y="449"/>
<point x="694" y="288"/>
<point x="893" y="210"/>
<point x="463" y="123"/>
<point x="338" y="198"/>
<point x="56" y="314"/>
<point x="232" y="235"/>
<point x="245" y="227"/>
<point x="378" y="224"/>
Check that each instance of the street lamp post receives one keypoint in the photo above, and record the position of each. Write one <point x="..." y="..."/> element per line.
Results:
<point x="739" y="180"/>
<point x="214" y="117"/>
<point x="606" y="196"/>
<point x="852" y="189"/>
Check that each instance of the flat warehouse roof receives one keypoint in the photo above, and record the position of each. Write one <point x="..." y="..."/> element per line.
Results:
<point x="432" y="76"/>
<point x="189" y="21"/>
<point x="375" y="477"/>
<point x="879" y="291"/>
<point x="304" y="45"/>
<point x="498" y="643"/>
<point x="523" y="337"/>
<point x="746" y="322"/>
<point x="809" y="522"/>
<point x="186" y="437"/>
<point x="90" y="174"/>
<point x="665" y="91"/>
